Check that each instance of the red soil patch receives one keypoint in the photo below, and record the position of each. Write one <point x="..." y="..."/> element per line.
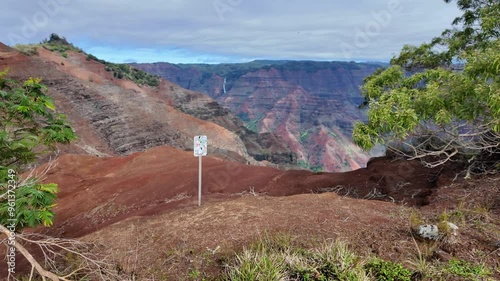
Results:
<point x="96" y="192"/>
<point x="76" y="65"/>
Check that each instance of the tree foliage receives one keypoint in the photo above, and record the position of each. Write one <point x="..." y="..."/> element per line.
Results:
<point x="29" y="127"/>
<point x="441" y="99"/>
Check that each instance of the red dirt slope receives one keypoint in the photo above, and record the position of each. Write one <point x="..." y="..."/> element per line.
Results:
<point x="95" y="192"/>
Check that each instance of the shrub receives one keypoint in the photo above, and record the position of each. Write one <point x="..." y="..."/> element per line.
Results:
<point x="28" y="50"/>
<point x="277" y="259"/>
<point x="467" y="270"/>
<point x="388" y="271"/>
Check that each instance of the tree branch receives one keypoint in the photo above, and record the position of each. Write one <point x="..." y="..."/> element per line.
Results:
<point x="44" y="273"/>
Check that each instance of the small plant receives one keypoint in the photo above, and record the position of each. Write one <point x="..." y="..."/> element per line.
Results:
<point x="28" y="50"/>
<point x="92" y="57"/>
<point x="335" y="261"/>
<point x="276" y="259"/>
<point x="388" y="271"/>
<point x="480" y="214"/>
<point x="304" y="135"/>
<point x="459" y="214"/>
<point x="422" y="267"/>
<point x="467" y="270"/>
<point x="443" y="224"/>
<point x="415" y="219"/>
<point x="194" y="274"/>
<point x="253" y="124"/>
<point x="420" y="263"/>
<point x="257" y="266"/>
<point x="303" y="164"/>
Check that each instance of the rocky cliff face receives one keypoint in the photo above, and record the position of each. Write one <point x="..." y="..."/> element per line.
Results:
<point x="118" y="117"/>
<point x="310" y="105"/>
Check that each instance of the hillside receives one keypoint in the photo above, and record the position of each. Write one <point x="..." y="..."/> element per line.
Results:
<point x="116" y="112"/>
<point x="146" y="183"/>
<point x="145" y="204"/>
<point x="128" y="186"/>
<point x="311" y="105"/>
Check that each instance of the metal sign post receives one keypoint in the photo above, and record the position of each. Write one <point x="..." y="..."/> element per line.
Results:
<point x="199" y="180"/>
<point x="200" y="150"/>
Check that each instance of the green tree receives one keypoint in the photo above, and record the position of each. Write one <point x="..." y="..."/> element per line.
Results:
<point x="441" y="99"/>
<point x="29" y="127"/>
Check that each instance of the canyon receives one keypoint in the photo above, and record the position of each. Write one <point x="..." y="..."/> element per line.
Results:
<point x="129" y="183"/>
<point x="311" y="105"/>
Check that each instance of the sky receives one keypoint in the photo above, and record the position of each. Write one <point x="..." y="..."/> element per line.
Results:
<point x="224" y="31"/>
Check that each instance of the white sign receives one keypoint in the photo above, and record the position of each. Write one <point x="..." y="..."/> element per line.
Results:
<point x="200" y="150"/>
<point x="200" y="146"/>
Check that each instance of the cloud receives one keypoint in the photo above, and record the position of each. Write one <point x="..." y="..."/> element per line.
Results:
<point x="229" y="30"/>
<point x="129" y="61"/>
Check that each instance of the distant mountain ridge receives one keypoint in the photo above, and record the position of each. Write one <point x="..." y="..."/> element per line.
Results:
<point x="310" y="104"/>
